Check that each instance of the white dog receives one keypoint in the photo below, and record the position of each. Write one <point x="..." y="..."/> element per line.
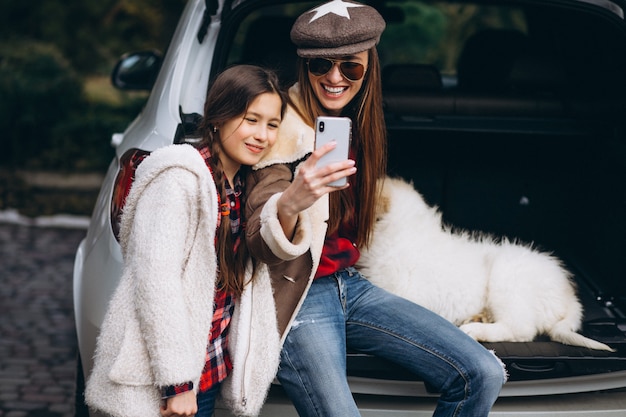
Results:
<point x="495" y="291"/>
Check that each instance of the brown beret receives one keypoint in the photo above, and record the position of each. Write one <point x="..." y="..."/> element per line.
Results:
<point x="337" y="28"/>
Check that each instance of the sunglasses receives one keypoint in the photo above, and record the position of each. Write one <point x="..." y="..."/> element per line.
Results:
<point x="353" y="71"/>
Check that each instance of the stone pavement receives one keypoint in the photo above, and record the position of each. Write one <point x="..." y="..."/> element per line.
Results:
<point x="37" y="335"/>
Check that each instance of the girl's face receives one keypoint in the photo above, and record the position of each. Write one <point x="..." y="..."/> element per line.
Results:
<point x="333" y="89"/>
<point x="246" y="139"/>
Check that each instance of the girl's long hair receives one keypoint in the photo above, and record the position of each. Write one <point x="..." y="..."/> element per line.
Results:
<point x="369" y="144"/>
<point x="228" y="98"/>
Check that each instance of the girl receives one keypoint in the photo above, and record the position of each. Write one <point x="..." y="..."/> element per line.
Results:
<point x="325" y="306"/>
<point x="172" y="334"/>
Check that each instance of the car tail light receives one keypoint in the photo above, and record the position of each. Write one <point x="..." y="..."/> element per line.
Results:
<point x="124" y="180"/>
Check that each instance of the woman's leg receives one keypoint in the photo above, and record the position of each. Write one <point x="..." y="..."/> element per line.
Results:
<point x="468" y="376"/>
<point x="313" y="360"/>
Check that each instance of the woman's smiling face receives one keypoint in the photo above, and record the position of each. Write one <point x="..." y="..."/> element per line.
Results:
<point x="333" y="90"/>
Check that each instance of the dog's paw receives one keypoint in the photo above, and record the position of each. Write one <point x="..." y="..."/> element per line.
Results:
<point x="487" y="332"/>
<point x="473" y="329"/>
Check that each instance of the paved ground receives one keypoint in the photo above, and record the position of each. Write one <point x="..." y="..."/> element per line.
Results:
<point x="37" y="336"/>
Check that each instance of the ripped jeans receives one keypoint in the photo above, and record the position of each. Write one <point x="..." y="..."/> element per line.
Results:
<point x="345" y="310"/>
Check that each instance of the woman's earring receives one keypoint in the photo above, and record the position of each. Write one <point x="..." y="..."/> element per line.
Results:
<point x="214" y="129"/>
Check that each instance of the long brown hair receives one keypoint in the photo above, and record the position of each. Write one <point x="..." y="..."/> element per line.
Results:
<point x="369" y="143"/>
<point x="228" y="98"/>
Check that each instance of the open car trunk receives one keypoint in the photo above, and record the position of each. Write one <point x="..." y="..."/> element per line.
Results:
<point x="540" y="158"/>
<point x="558" y="184"/>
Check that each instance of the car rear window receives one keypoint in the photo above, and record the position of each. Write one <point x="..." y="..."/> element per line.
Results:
<point x="435" y="33"/>
<point x="429" y="34"/>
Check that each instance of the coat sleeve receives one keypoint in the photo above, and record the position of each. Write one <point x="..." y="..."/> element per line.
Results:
<point x="163" y="228"/>
<point x="264" y="234"/>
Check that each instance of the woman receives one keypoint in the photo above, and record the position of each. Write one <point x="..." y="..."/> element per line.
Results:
<point x="172" y="333"/>
<point x="324" y="305"/>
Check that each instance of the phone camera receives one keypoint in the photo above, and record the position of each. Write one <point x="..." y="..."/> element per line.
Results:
<point x="321" y="126"/>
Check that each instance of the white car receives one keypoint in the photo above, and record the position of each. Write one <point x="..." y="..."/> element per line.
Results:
<point x="508" y="115"/>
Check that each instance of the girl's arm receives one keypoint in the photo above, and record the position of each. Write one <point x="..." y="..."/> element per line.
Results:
<point x="164" y="223"/>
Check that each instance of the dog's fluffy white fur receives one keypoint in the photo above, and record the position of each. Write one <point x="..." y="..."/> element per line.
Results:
<point x="494" y="290"/>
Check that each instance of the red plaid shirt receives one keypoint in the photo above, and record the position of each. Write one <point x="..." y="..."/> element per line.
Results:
<point x="339" y="252"/>
<point x="218" y="362"/>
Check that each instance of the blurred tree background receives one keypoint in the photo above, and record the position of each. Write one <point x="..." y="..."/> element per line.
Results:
<point x="57" y="106"/>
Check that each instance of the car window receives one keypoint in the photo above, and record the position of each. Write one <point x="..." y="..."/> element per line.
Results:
<point x="434" y="33"/>
<point x="263" y="38"/>
<point x="417" y="33"/>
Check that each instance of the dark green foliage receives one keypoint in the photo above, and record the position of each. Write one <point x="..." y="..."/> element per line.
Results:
<point x="82" y="142"/>
<point x="92" y="34"/>
<point x="47" y="48"/>
<point x="38" y="88"/>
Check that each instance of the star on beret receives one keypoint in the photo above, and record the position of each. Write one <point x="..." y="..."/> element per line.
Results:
<point x="337" y="7"/>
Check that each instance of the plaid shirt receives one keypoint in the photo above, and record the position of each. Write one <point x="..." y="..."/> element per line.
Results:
<point x="339" y="251"/>
<point x="218" y="362"/>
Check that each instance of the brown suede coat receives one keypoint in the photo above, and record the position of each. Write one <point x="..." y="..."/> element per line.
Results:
<point x="292" y="262"/>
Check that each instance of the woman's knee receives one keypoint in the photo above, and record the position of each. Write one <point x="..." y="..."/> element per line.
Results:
<point x="491" y="373"/>
<point x="483" y="377"/>
<point x="497" y="368"/>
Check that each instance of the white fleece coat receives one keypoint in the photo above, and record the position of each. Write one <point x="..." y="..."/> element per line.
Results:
<point x="156" y="329"/>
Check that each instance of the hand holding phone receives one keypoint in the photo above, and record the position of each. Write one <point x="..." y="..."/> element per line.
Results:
<point x="339" y="130"/>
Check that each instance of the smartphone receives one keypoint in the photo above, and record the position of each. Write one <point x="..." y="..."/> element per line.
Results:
<point x="337" y="129"/>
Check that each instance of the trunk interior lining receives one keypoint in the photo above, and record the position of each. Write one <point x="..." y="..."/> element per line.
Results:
<point x="561" y="187"/>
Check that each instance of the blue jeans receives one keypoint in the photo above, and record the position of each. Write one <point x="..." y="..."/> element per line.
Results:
<point x="344" y="311"/>
<point x="206" y="401"/>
